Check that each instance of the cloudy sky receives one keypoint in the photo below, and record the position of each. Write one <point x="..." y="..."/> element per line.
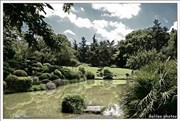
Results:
<point x="109" y="21"/>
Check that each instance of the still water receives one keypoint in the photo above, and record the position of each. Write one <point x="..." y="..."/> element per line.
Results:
<point x="47" y="104"/>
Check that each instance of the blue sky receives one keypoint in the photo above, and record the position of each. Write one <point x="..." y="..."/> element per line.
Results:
<point x="109" y="21"/>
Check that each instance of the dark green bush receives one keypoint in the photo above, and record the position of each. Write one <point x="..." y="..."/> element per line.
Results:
<point x="90" y="75"/>
<point x="20" y="73"/>
<point x="44" y="76"/>
<point x="11" y="80"/>
<point x="53" y="77"/>
<point x="38" y="87"/>
<point x="154" y="91"/>
<point x="36" y="80"/>
<point x="42" y="86"/>
<point x="50" y="86"/>
<point x="38" y="64"/>
<point x="44" y="69"/>
<point x="19" y="84"/>
<point x="52" y="68"/>
<point x="69" y="74"/>
<point x="82" y="70"/>
<point x="45" y="81"/>
<point x="74" y="62"/>
<point x="58" y="82"/>
<point x="24" y="83"/>
<point x="46" y="64"/>
<point x="73" y="104"/>
<point x="107" y="74"/>
<point x="113" y="66"/>
<point x="58" y="73"/>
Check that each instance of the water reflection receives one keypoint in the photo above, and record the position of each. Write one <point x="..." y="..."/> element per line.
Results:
<point x="47" y="104"/>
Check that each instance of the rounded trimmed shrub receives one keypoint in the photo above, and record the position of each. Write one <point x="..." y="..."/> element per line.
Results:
<point x="42" y="86"/>
<point x="53" y="77"/>
<point x="45" y="81"/>
<point x="58" y="73"/>
<point x="90" y="75"/>
<point x="82" y="70"/>
<point x="50" y="86"/>
<point x="38" y="64"/>
<point x="58" y="82"/>
<point x="74" y="62"/>
<point x="36" y="80"/>
<point x="24" y="83"/>
<point x="44" y="76"/>
<point x="10" y="80"/>
<point x="107" y="74"/>
<point x="73" y="104"/>
<point x="20" y="73"/>
<point x="46" y="64"/>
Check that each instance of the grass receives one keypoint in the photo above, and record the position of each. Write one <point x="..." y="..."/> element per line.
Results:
<point x="120" y="72"/>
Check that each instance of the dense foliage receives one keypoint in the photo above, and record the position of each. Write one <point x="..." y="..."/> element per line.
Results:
<point x="154" y="91"/>
<point x="73" y="104"/>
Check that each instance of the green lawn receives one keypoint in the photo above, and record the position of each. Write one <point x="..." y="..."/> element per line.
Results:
<point x="120" y="72"/>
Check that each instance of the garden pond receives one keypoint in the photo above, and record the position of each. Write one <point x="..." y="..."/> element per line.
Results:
<point x="47" y="104"/>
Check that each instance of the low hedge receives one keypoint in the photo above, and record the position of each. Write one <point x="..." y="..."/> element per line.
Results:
<point x="20" y="73"/>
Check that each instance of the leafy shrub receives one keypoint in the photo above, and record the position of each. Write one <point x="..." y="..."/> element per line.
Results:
<point x="36" y="80"/>
<point x="46" y="64"/>
<point x="82" y="70"/>
<point x="113" y="66"/>
<point x="74" y="62"/>
<point x="45" y="81"/>
<point x="20" y="73"/>
<point x="50" y="86"/>
<point x="52" y="68"/>
<point x="53" y="77"/>
<point x="42" y="86"/>
<point x="90" y="75"/>
<point x="44" y="76"/>
<point x="58" y="82"/>
<point x="154" y="90"/>
<point x="24" y="83"/>
<point x="69" y="74"/>
<point x="19" y="84"/>
<point x="107" y="74"/>
<point x="127" y="75"/>
<point x="38" y="64"/>
<point x="58" y="73"/>
<point x="10" y="80"/>
<point x="44" y="69"/>
<point x="73" y="104"/>
<point x="35" y="88"/>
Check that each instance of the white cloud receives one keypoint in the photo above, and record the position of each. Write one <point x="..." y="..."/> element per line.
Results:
<point x="118" y="10"/>
<point x="118" y="33"/>
<point x="82" y="9"/>
<point x="106" y="29"/>
<point x="173" y="26"/>
<point x="100" y="23"/>
<point x="78" y="21"/>
<point x="165" y="20"/>
<point x="69" y="32"/>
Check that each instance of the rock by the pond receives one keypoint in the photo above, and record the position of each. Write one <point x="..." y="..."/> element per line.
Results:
<point x="113" y="110"/>
<point x="93" y="109"/>
<point x="50" y="86"/>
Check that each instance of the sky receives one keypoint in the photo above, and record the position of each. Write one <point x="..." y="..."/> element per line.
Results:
<point x="109" y="21"/>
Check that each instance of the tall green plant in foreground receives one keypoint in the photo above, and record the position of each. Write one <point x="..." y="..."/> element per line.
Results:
<point x="154" y="91"/>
